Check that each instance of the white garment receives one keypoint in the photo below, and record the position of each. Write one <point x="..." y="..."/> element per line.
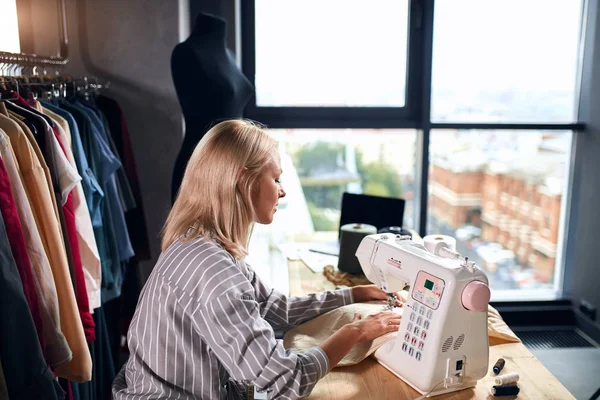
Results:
<point x="88" y="248"/>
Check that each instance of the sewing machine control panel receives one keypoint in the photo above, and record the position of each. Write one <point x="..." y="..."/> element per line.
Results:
<point x="427" y="293"/>
<point x="428" y="289"/>
<point x="415" y="337"/>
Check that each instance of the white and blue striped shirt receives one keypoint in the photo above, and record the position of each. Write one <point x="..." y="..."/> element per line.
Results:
<point x="205" y="322"/>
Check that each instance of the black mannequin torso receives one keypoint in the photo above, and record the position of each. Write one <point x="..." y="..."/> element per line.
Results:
<point x="209" y="85"/>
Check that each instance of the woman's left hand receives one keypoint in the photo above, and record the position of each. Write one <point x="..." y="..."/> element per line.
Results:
<point x="364" y="293"/>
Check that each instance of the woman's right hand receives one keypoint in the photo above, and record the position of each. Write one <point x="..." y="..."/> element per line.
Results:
<point x="375" y="325"/>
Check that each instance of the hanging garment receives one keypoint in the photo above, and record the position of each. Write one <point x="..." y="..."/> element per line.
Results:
<point x="136" y="221"/>
<point x="44" y="205"/>
<point x="65" y="180"/>
<point x="88" y="248"/>
<point x="111" y="235"/>
<point x="57" y="350"/>
<point x="14" y="231"/>
<point x="26" y="373"/>
<point x="114" y="199"/>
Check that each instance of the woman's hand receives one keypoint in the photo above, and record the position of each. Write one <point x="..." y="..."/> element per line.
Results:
<point x="375" y="325"/>
<point x="364" y="293"/>
<point x="359" y="330"/>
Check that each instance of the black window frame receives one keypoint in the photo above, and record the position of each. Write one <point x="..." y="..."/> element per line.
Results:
<point x="340" y="117"/>
<point x="415" y="115"/>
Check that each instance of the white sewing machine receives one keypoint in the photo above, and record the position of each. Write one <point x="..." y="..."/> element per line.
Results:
<point x="442" y="343"/>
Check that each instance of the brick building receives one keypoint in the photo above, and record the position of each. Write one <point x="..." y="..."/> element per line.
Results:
<point x="516" y="204"/>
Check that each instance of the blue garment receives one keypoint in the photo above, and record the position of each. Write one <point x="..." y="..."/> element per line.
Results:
<point x="114" y="200"/>
<point x="104" y="163"/>
<point x="91" y="188"/>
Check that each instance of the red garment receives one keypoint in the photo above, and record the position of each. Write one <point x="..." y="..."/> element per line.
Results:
<point x="81" y="295"/>
<point x="14" y="231"/>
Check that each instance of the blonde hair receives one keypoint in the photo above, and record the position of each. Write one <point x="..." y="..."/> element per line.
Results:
<point x="215" y="198"/>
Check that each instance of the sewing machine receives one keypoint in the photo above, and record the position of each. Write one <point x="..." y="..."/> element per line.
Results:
<point x="442" y="343"/>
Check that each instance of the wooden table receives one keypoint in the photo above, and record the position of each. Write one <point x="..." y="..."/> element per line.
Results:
<point x="370" y="380"/>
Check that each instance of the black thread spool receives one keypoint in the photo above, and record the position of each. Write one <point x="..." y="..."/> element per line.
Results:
<point x="498" y="366"/>
<point x="507" y="390"/>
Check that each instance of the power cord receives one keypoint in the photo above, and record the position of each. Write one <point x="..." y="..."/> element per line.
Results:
<point x="431" y="390"/>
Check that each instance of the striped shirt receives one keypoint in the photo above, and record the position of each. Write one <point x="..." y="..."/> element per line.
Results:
<point x="205" y="323"/>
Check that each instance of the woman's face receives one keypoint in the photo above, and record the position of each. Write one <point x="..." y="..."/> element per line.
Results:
<point x="269" y="191"/>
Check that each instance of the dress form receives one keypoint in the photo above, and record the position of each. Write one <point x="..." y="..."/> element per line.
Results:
<point x="209" y="85"/>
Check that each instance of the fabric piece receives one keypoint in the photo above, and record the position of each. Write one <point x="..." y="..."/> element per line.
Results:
<point x="26" y="373"/>
<point x="316" y="331"/>
<point x="136" y="222"/>
<point x="498" y="329"/>
<point x="85" y="190"/>
<point x="57" y="350"/>
<point x="14" y="232"/>
<point x="35" y="177"/>
<point x="215" y="316"/>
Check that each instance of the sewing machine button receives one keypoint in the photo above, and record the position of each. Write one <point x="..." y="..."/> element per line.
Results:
<point x="409" y="327"/>
<point x="426" y="324"/>
<point x="423" y="335"/>
<point x="414" y="341"/>
<point x="419" y="321"/>
<point x="404" y="347"/>
<point x="411" y="351"/>
<point x="407" y="337"/>
<point x="412" y="316"/>
<point x="422" y="310"/>
<point x="429" y="314"/>
<point x="418" y="356"/>
<point x="417" y="330"/>
<point x="421" y="344"/>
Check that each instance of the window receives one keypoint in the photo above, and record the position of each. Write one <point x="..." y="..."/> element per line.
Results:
<point x="311" y="54"/>
<point x="502" y="61"/>
<point x="9" y="39"/>
<point x="491" y="240"/>
<point x="319" y="165"/>
<point x="466" y="108"/>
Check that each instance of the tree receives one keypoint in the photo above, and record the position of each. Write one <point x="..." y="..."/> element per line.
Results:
<point x="378" y="178"/>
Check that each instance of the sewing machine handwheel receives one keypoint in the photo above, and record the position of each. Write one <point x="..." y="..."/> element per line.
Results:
<point x="476" y="296"/>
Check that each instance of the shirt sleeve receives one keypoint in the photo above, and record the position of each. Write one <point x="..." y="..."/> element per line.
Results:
<point x="284" y="312"/>
<point x="245" y="344"/>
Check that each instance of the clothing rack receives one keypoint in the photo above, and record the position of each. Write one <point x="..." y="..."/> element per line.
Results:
<point x="28" y="60"/>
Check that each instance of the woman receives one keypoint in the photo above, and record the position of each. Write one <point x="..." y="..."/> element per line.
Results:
<point x="204" y="324"/>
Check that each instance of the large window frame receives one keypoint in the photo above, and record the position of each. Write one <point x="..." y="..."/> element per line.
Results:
<point x="417" y="113"/>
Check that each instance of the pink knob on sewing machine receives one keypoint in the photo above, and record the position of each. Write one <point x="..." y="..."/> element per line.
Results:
<point x="476" y="296"/>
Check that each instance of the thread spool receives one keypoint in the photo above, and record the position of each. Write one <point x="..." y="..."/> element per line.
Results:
<point x="510" y="390"/>
<point x="350" y="237"/>
<point x="498" y="366"/>
<point x="433" y="243"/>
<point x="505" y="379"/>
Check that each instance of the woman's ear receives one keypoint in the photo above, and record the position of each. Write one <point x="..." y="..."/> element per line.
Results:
<point x="240" y="174"/>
